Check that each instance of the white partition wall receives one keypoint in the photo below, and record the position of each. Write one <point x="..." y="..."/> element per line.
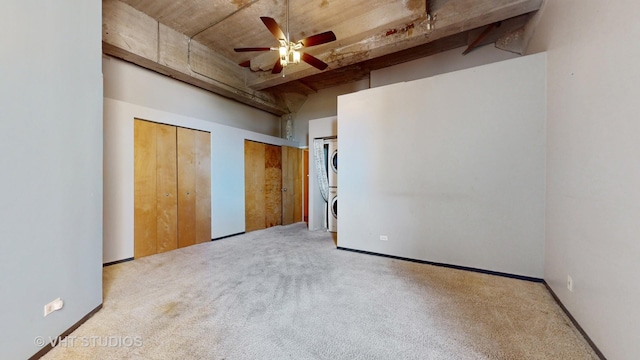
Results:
<point x="593" y="167"/>
<point x="450" y="169"/>
<point x="51" y="164"/>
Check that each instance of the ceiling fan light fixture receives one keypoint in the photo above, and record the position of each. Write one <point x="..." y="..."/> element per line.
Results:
<point x="296" y="56"/>
<point x="288" y="51"/>
<point x="282" y="50"/>
<point x="288" y="55"/>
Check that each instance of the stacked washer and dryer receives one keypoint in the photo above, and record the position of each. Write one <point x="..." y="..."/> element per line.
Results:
<point x="332" y="175"/>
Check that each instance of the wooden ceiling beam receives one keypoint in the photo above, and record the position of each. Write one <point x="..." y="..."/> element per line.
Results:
<point x="381" y="34"/>
<point x="136" y="37"/>
<point x="507" y="27"/>
<point x="480" y="37"/>
<point x="454" y="16"/>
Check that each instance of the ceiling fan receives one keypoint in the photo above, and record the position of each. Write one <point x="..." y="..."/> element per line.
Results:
<point x="288" y="50"/>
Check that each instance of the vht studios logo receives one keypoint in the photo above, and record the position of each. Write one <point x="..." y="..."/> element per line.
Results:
<point x="90" y="341"/>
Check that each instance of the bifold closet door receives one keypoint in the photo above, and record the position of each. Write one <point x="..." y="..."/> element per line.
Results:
<point x="155" y="185"/>
<point x="203" y="186"/>
<point x="305" y="188"/>
<point x="167" y="181"/>
<point x="172" y="190"/>
<point x="144" y="188"/>
<point x="273" y="185"/>
<point x="194" y="187"/>
<point x="186" y="187"/>
<point x="291" y="185"/>
<point x="263" y="185"/>
<point x="254" y="185"/>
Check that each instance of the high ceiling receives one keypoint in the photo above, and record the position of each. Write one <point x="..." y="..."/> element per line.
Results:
<point x="193" y="40"/>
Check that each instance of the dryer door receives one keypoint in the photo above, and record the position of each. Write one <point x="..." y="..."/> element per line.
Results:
<point x="333" y="210"/>
<point x="333" y="163"/>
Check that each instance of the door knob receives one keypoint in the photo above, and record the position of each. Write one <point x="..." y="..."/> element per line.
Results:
<point x="285" y="189"/>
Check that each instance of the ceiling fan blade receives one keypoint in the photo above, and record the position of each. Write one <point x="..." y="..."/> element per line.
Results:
<point x="314" y="61"/>
<point x="245" y="63"/>
<point x="277" y="67"/>
<point x="273" y="26"/>
<point x="251" y="49"/>
<point x="318" y="39"/>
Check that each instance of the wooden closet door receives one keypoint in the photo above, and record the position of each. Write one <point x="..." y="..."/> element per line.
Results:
<point x="172" y="172"/>
<point x="291" y="185"/>
<point x="298" y="186"/>
<point x="254" y="184"/>
<point x="186" y="157"/>
<point x="167" y="202"/>
<point x="273" y="185"/>
<point x="305" y="188"/>
<point x="145" y="191"/>
<point x="203" y="186"/>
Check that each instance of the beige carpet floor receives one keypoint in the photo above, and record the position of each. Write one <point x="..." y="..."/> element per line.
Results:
<point x="287" y="293"/>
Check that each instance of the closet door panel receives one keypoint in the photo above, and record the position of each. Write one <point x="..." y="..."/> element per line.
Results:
<point x="298" y="187"/>
<point x="145" y="193"/>
<point x="273" y="185"/>
<point x="287" y="185"/>
<point x="305" y="188"/>
<point x="291" y="185"/>
<point x="254" y="181"/>
<point x="186" y="156"/>
<point x="166" y="188"/>
<point x="203" y="186"/>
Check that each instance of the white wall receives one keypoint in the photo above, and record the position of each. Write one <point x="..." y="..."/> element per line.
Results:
<point x="593" y="172"/>
<point x="324" y="103"/>
<point x="131" y="83"/>
<point x="319" y="128"/>
<point x="444" y="62"/>
<point x="320" y="105"/>
<point x="450" y="169"/>
<point x="227" y="160"/>
<point x="51" y="161"/>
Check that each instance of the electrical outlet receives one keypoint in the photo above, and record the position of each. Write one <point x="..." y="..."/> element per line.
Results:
<point x="56" y="304"/>
<point x="569" y="283"/>
<point x="384" y="237"/>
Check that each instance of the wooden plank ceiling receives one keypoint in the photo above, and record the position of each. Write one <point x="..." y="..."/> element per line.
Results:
<point x="193" y="40"/>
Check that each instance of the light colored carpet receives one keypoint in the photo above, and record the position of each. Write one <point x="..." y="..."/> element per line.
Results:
<point x="287" y="293"/>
